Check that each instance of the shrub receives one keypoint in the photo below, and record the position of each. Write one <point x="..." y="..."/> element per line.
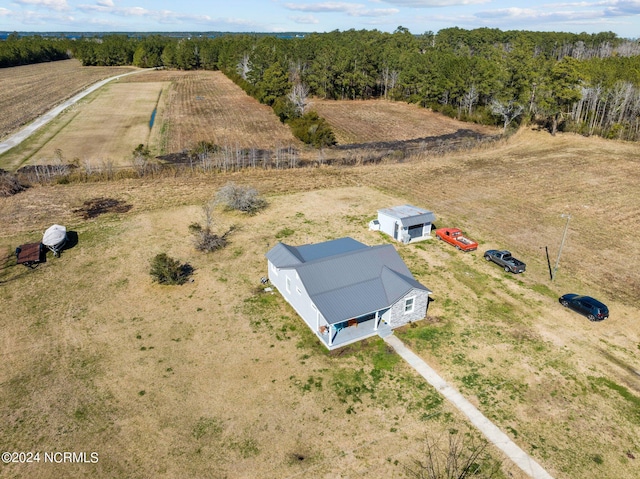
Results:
<point x="241" y="198"/>
<point x="207" y="241"/>
<point x="167" y="270"/>
<point x="284" y="108"/>
<point x="313" y="130"/>
<point x="9" y="184"/>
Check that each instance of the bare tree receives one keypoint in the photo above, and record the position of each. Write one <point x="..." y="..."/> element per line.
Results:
<point x="140" y="158"/>
<point x="244" y="66"/>
<point x="469" y="99"/>
<point x="389" y="79"/>
<point x="509" y="111"/>
<point x="296" y="69"/>
<point x="462" y="457"/>
<point x="299" y="96"/>
<point x="204" y="238"/>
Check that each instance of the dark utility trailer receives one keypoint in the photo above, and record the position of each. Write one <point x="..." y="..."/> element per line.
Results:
<point x="30" y="254"/>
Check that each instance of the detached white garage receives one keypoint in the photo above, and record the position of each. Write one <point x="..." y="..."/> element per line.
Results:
<point x="406" y="223"/>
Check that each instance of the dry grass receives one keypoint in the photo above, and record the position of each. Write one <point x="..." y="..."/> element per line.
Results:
<point x="514" y="195"/>
<point x="191" y="107"/>
<point x="225" y="371"/>
<point x="27" y="92"/>
<point x="207" y="106"/>
<point x="210" y="376"/>
<point x="216" y="379"/>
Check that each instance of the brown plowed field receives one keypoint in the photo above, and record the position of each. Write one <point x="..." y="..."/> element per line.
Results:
<point x="207" y="106"/>
<point x="27" y="92"/>
<point x="374" y="121"/>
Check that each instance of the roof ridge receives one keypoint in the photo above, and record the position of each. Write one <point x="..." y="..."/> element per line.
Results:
<point x="367" y="249"/>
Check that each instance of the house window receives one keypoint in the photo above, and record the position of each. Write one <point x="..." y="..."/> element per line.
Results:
<point x="274" y="269"/>
<point x="288" y="284"/>
<point x="408" y="305"/>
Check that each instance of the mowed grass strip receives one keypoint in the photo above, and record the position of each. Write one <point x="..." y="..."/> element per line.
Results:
<point x="27" y="92"/>
<point x="104" y="128"/>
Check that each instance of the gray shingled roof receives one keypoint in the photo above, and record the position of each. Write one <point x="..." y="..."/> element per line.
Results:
<point x="410" y="215"/>
<point x="347" y="279"/>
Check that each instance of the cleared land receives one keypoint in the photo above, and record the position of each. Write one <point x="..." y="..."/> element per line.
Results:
<point x="27" y="92"/>
<point x="216" y="376"/>
<point x="374" y="121"/>
<point x="207" y="106"/>
<point x="191" y="107"/>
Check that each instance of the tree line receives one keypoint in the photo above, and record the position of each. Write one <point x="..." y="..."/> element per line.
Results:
<point x="587" y="83"/>
<point x="16" y="50"/>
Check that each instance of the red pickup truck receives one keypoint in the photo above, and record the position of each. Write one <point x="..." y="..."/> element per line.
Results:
<point x="455" y="237"/>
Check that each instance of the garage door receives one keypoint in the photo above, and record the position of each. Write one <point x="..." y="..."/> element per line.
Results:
<point x="415" y="231"/>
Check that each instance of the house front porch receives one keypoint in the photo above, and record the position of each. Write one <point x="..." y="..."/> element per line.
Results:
<point x="342" y="334"/>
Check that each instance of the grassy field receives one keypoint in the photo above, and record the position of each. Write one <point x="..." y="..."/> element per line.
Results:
<point x="215" y="378"/>
<point x="27" y="92"/>
<point x="203" y="377"/>
<point x="210" y="379"/>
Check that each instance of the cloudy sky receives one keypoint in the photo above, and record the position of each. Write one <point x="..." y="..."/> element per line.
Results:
<point x="419" y="16"/>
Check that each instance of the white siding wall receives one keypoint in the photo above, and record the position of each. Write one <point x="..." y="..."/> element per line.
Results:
<point x="297" y="296"/>
<point x="387" y="223"/>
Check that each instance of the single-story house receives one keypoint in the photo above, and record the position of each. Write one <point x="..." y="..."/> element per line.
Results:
<point x="345" y="290"/>
<point x="406" y="223"/>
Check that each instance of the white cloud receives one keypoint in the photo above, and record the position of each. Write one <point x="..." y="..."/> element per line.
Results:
<point x="623" y="7"/>
<point x="351" y="9"/>
<point x="434" y="3"/>
<point x="540" y="15"/>
<point x="161" y="16"/>
<point x="58" y="5"/>
<point x="106" y="3"/>
<point x="304" y="19"/>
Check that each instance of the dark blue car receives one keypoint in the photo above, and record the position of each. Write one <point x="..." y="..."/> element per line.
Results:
<point x="585" y="305"/>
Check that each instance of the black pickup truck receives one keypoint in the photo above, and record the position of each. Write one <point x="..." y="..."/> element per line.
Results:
<point x="504" y="259"/>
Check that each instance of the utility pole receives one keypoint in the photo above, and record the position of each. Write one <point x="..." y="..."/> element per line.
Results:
<point x="564" y="236"/>
<point x="546" y="249"/>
